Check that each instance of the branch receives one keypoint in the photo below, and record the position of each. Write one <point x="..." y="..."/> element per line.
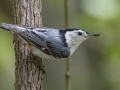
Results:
<point x="28" y="76"/>
<point x="68" y="79"/>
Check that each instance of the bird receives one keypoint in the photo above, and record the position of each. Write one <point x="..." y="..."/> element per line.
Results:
<point x="50" y="43"/>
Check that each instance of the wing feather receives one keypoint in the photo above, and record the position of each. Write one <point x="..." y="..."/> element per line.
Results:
<point x="38" y="39"/>
<point x="58" y="51"/>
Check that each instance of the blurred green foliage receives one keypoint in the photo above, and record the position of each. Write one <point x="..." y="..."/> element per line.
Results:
<point x="94" y="66"/>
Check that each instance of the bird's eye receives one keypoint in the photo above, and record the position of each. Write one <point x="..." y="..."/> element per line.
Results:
<point x="79" y="33"/>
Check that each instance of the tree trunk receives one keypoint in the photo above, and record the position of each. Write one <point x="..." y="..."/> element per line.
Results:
<point x="28" y="75"/>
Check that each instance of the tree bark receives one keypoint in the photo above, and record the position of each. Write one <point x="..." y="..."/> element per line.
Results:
<point x="28" y="75"/>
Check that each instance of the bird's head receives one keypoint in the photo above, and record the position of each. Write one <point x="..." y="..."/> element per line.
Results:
<point x="74" y="37"/>
<point x="79" y="34"/>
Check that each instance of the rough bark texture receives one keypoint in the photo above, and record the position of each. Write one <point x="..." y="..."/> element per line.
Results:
<point x="28" y="76"/>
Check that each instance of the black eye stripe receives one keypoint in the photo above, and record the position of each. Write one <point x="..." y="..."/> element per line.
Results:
<point x="79" y="33"/>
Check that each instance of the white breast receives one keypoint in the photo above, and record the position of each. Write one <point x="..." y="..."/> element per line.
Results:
<point x="73" y="47"/>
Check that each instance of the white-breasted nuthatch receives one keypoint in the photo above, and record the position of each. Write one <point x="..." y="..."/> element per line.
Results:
<point x="48" y="42"/>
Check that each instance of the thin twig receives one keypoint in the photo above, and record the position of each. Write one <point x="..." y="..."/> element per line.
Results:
<point x="66" y="13"/>
<point x="68" y="79"/>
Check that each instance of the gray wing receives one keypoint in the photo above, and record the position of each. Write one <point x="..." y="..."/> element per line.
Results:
<point x="53" y="44"/>
<point x="37" y="38"/>
<point x="49" y="41"/>
<point x="59" y="51"/>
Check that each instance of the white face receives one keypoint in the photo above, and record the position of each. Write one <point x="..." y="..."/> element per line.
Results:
<point x="78" y="35"/>
<point x="75" y="38"/>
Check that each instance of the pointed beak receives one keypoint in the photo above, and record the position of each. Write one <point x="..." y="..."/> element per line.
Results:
<point x="93" y="35"/>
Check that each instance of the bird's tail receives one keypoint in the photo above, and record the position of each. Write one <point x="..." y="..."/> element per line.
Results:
<point x="5" y="26"/>
<point x="11" y="27"/>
